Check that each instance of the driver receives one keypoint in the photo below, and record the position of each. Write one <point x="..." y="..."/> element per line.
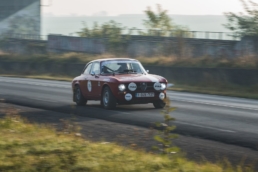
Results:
<point x="122" y="68"/>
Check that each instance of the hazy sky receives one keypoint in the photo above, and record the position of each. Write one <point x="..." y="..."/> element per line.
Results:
<point x="116" y="7"/>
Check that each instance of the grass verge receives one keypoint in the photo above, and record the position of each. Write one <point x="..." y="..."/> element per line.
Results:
<point x="31" y="147"/>
<point x="234" y="91"/>
<point x="219" y="62"/>
<point x="48" y="77"/>
<point x="230" y="90"/>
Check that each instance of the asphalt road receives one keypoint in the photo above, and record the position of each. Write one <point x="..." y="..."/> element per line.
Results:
<point x="225" y="119"/>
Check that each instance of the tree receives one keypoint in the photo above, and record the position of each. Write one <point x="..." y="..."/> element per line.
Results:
<point x="244" y="24"/>
<point x="111" y="31"/>
<point x="160" y="24"/>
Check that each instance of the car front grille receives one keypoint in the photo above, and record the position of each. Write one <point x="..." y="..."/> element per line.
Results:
<point x="143" y="86"/>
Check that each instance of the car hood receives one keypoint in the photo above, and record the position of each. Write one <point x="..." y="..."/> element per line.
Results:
<point x="139" y="78"/>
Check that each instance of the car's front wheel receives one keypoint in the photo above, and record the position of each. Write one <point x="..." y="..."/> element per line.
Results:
<point x="159" y="104"/>
<point x="108" y="101"/>
<point x="78" y="97"/>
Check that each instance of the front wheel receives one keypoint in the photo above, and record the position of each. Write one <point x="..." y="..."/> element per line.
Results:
<point x="108" y="101"/>
<point x="78" y="97"/>
<point x="159" y="104"/>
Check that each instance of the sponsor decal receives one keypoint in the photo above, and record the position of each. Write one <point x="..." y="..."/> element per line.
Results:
<point x="132" y="86"/>
<point x="128" y="97"/>
<point x="89" y="86"/>
<point x="157" y="86"/>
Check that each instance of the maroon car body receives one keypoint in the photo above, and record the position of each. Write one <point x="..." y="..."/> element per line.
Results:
<point x="118" y="81"/>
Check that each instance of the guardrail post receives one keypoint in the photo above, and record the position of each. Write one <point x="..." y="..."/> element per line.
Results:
<point x="207" y="35"/>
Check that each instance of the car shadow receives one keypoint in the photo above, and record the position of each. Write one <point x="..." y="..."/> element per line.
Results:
<point x="129" y="114"/>
<point x="129" y="107"/>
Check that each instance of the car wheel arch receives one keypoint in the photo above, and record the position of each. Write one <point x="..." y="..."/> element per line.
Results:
<point x="76" y="85"/>
<point x="103" y="87"/>
<point x="74" y="89"/>
<point x="112" y="100"/>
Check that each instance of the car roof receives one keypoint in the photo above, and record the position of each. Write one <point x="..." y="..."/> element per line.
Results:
<point x="111" y="59"/>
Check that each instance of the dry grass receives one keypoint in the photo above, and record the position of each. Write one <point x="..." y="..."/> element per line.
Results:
<point x="250" y="92"/>
<point x="48" y="77"/>
<point x="243" y="62"/>
<point x="54" y="58"/>
<point x="31" y="147"/>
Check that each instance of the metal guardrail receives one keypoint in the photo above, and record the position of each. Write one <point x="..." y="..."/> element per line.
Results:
<point x="184" y="34"/>
<point x="169" y="33"/>
<point x="143" y="33"/>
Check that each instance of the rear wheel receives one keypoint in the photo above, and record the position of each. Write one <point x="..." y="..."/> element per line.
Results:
<point x="159" y="104"/>
<point x="78" y="97"/>
<point x="108" y="101"/>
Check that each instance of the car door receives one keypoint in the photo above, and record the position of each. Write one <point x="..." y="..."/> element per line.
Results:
<point x="95" y="80"/>
<point x="85" y="84"/>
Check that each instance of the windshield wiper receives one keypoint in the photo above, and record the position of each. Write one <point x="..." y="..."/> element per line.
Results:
<point x="113" y="72"/>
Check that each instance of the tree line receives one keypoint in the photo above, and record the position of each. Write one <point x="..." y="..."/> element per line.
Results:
<point x="158" y="23"/>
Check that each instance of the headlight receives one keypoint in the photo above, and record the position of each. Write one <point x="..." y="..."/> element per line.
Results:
<point x="163" y="86"/>
<point x="121" y="87"/>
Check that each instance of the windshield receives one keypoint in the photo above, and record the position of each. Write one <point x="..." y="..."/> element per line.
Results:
<point x="121" y="67"/>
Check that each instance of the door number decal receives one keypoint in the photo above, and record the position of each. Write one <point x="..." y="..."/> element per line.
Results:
<point x="89" y="86"/>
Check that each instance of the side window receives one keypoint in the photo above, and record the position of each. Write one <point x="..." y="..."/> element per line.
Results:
<point x="96" y="68"/>
<point x="87" y="70"/>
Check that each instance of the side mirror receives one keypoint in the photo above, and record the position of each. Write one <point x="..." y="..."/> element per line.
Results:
<point x="92" y="73"/>
<point x="147" y="71"/>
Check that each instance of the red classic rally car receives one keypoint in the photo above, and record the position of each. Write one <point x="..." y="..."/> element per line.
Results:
<point x="118" y="81"/>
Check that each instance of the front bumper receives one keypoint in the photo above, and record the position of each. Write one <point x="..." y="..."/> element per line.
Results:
<point x="121" y="97"/>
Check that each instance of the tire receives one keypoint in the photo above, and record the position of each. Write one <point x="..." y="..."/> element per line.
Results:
<point x="159" y="104"/>
<point x="78" y="97"/>
<point x="108" y="100"/>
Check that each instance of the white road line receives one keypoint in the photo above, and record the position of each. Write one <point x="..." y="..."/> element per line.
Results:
<point x="214" y="104"/>
<point x="201" y="126"/>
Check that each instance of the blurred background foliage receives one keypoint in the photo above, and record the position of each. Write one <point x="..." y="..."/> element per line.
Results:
<point x="244" y="24"/>
<point x="117" y="36"/>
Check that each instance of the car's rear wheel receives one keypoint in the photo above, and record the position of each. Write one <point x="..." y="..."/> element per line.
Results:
<point x="78" y="97"/>
<point x="159" y="104"/>
<point x="108" y="100"/>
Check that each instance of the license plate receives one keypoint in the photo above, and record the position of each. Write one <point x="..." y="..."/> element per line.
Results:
<point x="145" y="94"/>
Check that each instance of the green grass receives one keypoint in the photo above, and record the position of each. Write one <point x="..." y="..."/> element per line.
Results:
<point x="32" y="147"/>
